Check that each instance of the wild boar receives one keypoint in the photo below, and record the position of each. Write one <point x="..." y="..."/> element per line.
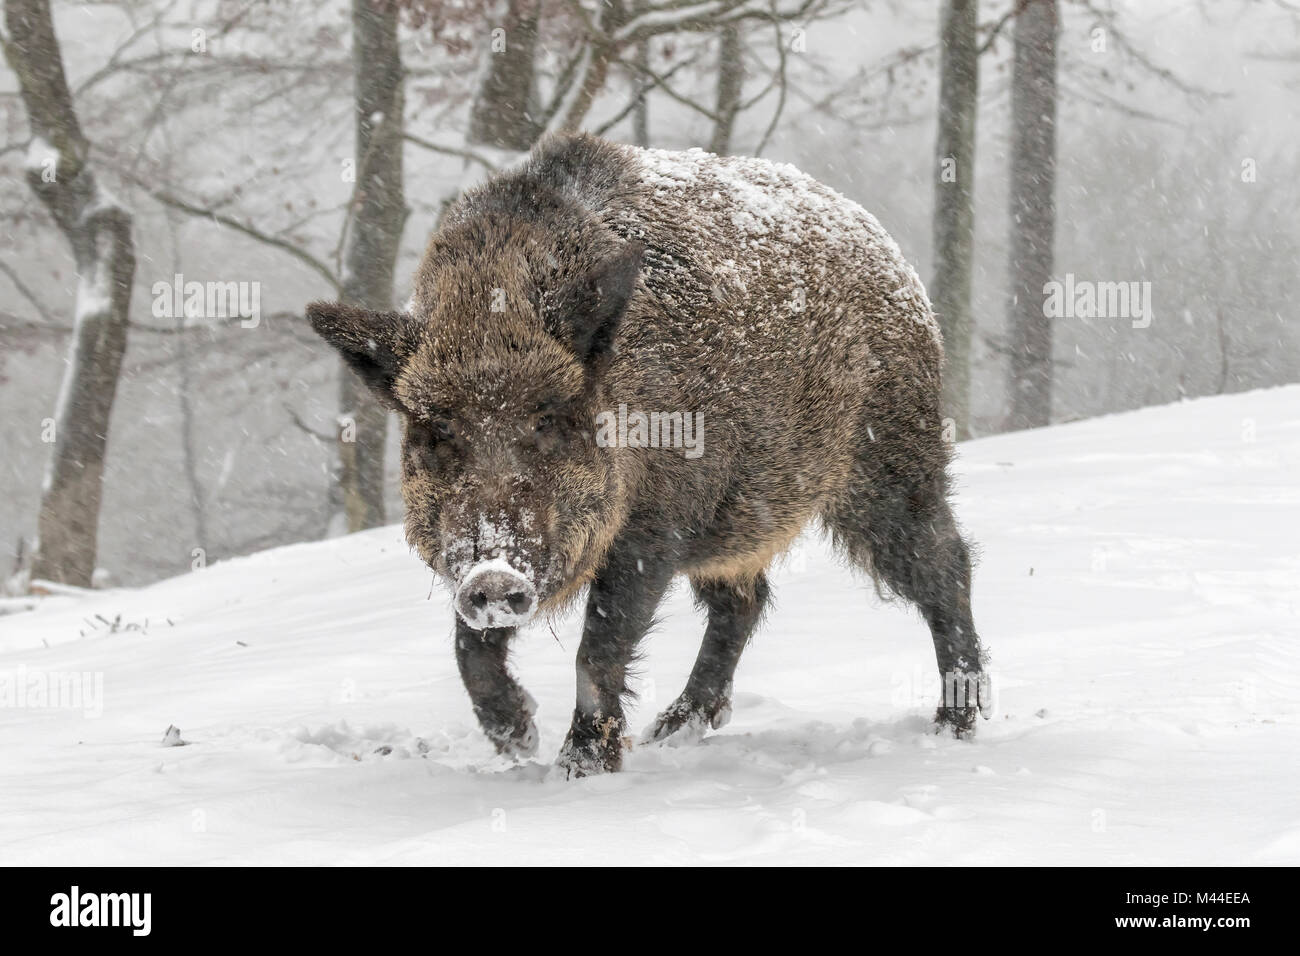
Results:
<point x="561" y="307"/>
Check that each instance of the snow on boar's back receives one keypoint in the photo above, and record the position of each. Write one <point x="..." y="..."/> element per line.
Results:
<point x="622" y="364"/>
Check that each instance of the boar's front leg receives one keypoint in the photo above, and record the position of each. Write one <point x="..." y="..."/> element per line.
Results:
<point x="503" y="708"/>
<point x="620" y="609"/>
<point x="734" y="609"/>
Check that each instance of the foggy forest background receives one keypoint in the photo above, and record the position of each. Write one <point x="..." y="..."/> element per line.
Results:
<point x="308" y="147"/>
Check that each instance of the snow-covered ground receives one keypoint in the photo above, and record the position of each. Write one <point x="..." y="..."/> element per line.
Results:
<point x="1139" y="589"/>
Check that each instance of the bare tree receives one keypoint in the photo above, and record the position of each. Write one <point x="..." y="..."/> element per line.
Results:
<point x="954" y="200"/>
<point x="505" y="109"/>
<point x="99" y="231"/>
<point x="376" y="218"/>
<point x="612" y="34"/>
<point x="731" y="82"/>
<point x="1033" y="212"/>
<point x="640" y="107"/>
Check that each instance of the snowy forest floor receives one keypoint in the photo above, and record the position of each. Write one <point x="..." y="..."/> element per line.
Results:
<point x="1138" y="588"/>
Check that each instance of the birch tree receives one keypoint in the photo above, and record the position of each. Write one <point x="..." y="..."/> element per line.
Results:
<point x="731" y="82"/>
<point x="376" y="218"/>
<point x="505" y="109"/>
<point x="1033" y="212"/>
<point x="954" y="201"/>
<point x="98" y="229"/>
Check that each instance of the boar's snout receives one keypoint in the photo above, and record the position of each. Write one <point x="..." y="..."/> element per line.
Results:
<point x="494" y="594"/>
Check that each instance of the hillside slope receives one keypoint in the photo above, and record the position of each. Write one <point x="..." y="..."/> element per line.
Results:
<point x="1139" y="589"/>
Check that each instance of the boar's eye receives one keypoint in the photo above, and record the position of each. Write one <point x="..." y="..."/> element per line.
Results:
<point x="443" y="430"/>
<point x="544" y="423"/>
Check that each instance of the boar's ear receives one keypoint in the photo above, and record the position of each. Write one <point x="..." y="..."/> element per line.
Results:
<point x="592" y="307"/>
<point x="375" y="345"/>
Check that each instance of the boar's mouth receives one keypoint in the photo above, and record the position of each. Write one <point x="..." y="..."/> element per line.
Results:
<point x="496" y="568"/>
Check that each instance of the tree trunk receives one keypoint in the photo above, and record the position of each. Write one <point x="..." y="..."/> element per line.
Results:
<point x="378" y="214"/>
<point x="1033" y="212"/>
<point x="731" y="82"/>
<point x="505" y="109"/>
<point x="954" y="202"/>
<point x="99" y="231"/>
<point x="185" y="373"/>
<point x="641" y="112"/>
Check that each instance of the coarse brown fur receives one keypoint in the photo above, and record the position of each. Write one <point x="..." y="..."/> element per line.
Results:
<point x="597" y="276"/>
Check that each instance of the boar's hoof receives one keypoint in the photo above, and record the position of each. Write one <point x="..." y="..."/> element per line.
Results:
<point x="587" y="760"/>
<point x="686" y="721"/>
<point x="959" y="721"/>
<point x="507" y="720"/>
<point x="966" y="695"/>
<point x="519" y="743"/>
<point x="586" y="753"/>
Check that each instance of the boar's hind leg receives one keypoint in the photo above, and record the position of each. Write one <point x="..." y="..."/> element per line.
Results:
<point x="734" y="610"/>
<point x="910" y="543"/>
<point x="503" y="708"/>
<point x="620" y="610"/>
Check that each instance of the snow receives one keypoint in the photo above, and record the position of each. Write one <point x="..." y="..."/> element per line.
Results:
<point x="95" y="290"/>
<point x="1138" y="590"/>
<point x="40" y="156"/>
<point x="773" y="209"/>
<point x="663" y="18"/>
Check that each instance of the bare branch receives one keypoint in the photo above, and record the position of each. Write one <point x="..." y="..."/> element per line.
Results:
<point x="643" y="88"/>
<point x="782" y="76"/>
<point x="322" y="437"/>
<point x="467" y="154"/>
<point x="995" y="28"/>
<point x="306" y="258"/>
<point x="662" y="83"/>
<point x="28" y="294"/>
